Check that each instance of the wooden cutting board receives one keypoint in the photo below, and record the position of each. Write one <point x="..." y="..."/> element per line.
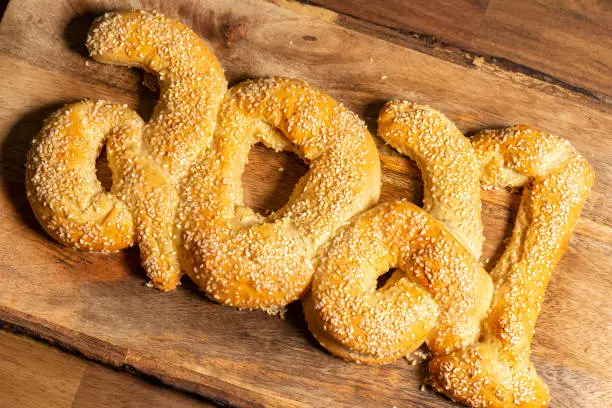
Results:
<point x="98" y="306"/>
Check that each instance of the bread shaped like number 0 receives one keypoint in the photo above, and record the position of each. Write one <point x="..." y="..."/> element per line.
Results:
<point x="242" y="259"/>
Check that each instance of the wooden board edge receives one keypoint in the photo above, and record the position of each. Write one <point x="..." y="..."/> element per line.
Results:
<point x="85" y="346"/>
<point x="430" y="45"/>
<point x="211" y="388"/>
<point x="93" y="349"/>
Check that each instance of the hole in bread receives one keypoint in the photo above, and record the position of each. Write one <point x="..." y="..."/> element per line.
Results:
<point x="499" y="212"/>
<point x="384" y="278"/>
<point x="103" y="172"/>
<point x="401" y="178"/>
<point x="269" y="178"/>
<point x="148" y="95"/>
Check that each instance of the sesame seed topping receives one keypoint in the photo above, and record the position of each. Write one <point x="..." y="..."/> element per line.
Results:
<point x="496" y="370"/>
<point x="448" y="164"/>
<point x="148" y="161"/>
<point x="177" y="193"/>
<point x="246" y="260"/>
<point x="438" y="294"/>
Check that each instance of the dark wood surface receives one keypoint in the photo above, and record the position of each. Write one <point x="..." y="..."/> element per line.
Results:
<point x="568" y="42"/>
<point x="97" y="305"/>
<point x="35" y="374"/>
<point x="456" y="22"/>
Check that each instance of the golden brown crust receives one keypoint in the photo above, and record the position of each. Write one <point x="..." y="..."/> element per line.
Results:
<point x="242" y="259"/>
<point x="496" y="371"/>
<point x="192" y="86"/>
<point x="191" y="81"/>
<point x="439" y="292"/>
<point x="448" y="166"/>
<point x="64" y="192"/>
<point x="150" y="165"/>
<point x="177" y="193"/>
<point x="148" y="160"/>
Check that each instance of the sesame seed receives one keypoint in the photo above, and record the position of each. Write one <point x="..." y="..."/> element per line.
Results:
<point x="148" y="161"/>
<point x="497" y="370"/>
<point x="249" y="261"/>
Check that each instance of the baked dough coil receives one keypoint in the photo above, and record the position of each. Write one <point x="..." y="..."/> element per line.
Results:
<point x="448" y="166"/>
<point x="61" y="184"/>
<point x="147" y="160"/>
<point x="438" y="293"/>
<point x="240" y="258"/>
<point x="496" y="371"/>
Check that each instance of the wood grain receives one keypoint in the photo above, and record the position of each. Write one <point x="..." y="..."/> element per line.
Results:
<point x="35" y="374"/>
<point x="567" y="39"/>
<point x="97" y="304"/>
<point x="568" y="42"/>
<point x="457" y="22"/>
<point x="102" y="387"/>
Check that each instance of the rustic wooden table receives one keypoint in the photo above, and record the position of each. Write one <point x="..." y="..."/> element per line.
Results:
<point x="561" y="47"/>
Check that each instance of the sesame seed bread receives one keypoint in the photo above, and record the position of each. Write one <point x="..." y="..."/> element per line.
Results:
<point x="61" y="184"/>
<point x="479" y="330"/>
<point x="177" y="193"/>
<point x="240" y="258"/>
<point x="172" y="181"/>
<point x="148" y="161"/>
<point x="448" y="165"/>
<point x="496" y="371"/>
<point x="439" y="293"/>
